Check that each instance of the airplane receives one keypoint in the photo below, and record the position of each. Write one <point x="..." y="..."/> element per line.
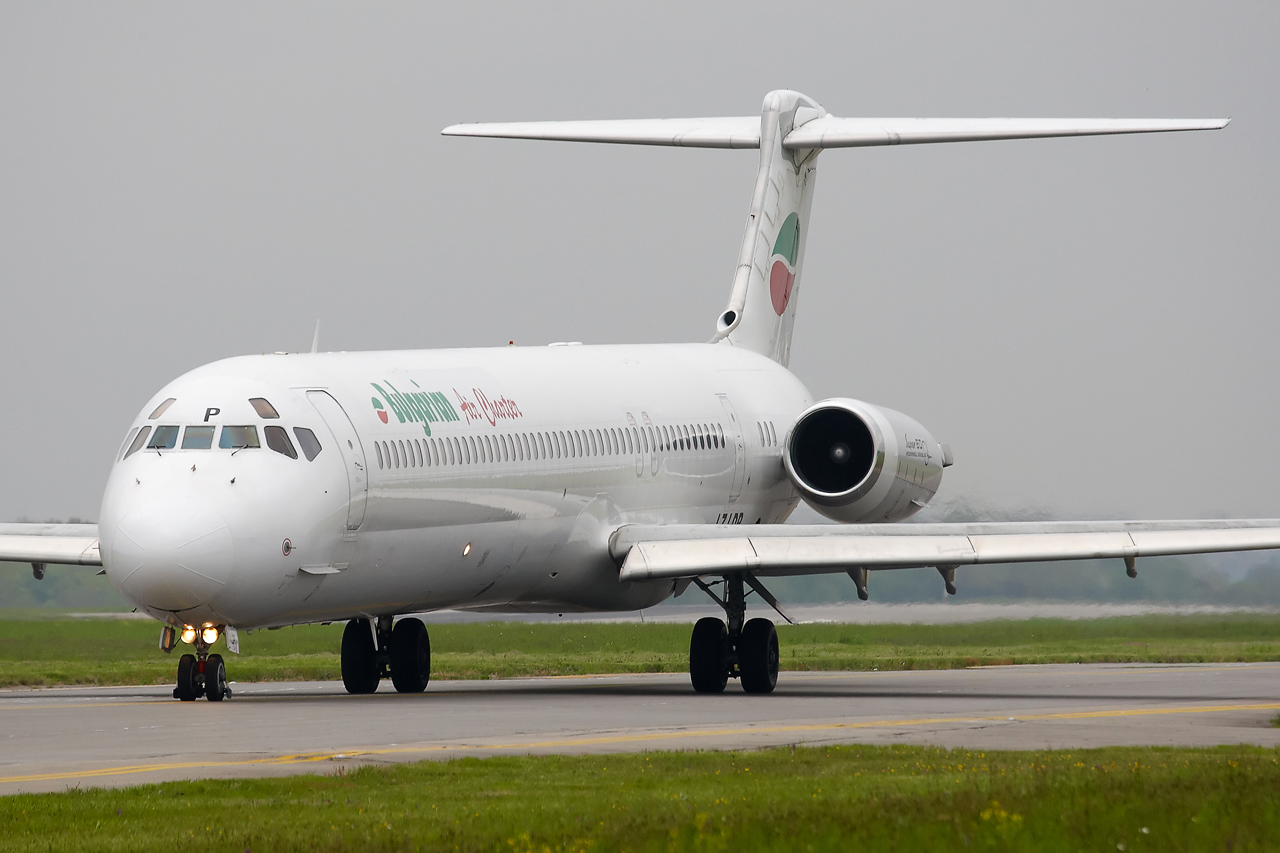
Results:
<point x="282" y="489"/>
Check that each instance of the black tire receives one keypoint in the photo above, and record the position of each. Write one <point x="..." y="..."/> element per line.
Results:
<point x="708" y="656"/>
<point x="188" y="689"/>
<point x="215" y="678"/>
<point x="758" y="656"/>
<point x="410" y="656"/>
<point x="360" y="670"/>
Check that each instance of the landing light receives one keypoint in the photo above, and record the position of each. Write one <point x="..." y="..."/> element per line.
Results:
<point x="466" y="549"/>
<point x="188" y="634"/>
<point x="209" y="635"/>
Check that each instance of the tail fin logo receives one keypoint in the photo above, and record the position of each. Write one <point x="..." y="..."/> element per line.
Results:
<point x="782" y="272"/>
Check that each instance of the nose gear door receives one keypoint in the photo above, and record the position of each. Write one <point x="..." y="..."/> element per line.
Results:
<point x="348" y="443"/>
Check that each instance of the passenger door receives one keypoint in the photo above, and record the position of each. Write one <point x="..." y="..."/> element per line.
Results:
<point x="739" y="448"/>
<point x="348" y="443"/>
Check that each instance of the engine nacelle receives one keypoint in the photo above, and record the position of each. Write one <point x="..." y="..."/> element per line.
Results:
<point x="855" y="462"/>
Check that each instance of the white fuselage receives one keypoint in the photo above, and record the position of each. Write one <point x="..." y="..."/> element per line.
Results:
<point x="494" y="482"/>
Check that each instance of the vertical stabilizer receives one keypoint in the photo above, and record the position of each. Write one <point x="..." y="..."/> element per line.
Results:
<point x="762" y="305"/>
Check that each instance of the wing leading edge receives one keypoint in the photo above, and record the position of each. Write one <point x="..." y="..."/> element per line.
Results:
<point x="648" y="552"/>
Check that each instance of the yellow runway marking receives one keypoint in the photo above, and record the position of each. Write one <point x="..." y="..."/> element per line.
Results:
<point x="312" y="757"/>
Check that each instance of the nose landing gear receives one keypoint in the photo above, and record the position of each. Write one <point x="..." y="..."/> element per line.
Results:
<point x="370" y="652"/>
<point x="718" y="652"/>
<point x="202" y="674"/>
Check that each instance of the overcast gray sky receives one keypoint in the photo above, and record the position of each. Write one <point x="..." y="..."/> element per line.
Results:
<point x="1089" y="323"/>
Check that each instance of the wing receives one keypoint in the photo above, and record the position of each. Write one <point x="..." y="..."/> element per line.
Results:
<point x="65" y="544"/>
<point x="683" y="551"/>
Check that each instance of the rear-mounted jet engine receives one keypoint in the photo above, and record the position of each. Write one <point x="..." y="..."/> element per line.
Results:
<point x="855" y="462"/>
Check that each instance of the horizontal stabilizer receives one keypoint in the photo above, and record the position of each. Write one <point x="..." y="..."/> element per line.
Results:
<point x="832" y="132"/>
<point x="674" y="551"/>
<point x="727" y="132"/>
<point x="825" y="131"/>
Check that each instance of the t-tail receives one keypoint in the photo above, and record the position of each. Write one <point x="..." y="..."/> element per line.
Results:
<point x="791" y="130"/>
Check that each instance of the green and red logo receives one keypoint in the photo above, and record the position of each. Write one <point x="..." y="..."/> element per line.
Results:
<point x="782" y="272"/>
<point x="423" y="407"/>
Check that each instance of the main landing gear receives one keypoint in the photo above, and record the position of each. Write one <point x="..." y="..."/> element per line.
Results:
<point x="201" y="674"/>
<point x="749" y="652"/>
<point x="371" y="651"/>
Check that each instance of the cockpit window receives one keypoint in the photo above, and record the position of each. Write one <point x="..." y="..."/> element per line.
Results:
<point x="308" y="442"/>
<point x="278" y="440"/>
<point x="128" y="441"/>
<point x="163" y="438"/>
<point x="265" y="410"/>
<point x="161" y="409"/>
<point x="197" y="438"/>
<point x="138" y="442"/>
<point x="238" y="436"/>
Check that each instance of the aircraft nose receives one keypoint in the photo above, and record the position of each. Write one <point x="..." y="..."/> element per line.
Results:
<point x="171" y="555"/>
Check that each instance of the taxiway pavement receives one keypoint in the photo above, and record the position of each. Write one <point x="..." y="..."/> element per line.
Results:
<point x="52" y="739"/>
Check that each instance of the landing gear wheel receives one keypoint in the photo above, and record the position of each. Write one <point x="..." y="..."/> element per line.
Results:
<point x="360" y="669"/>
<point x="188" y="689"/>
<point x="758" y="656"/>
<point x="410" y="656"/>
<point x="708" y="658"/>
<point x="215" y="678"/>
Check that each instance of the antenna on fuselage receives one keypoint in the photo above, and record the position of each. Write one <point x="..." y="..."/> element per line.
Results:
<point x="315" y="340"/>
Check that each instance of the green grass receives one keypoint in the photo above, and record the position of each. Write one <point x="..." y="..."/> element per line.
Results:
<point x="838" y="798"/>
<point x="39" y="651"/>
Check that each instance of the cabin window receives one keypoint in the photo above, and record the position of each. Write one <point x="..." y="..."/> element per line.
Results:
<point x="653" y="438"/>
<point x="488" y="450"/>
<point x="406" y="453"/>
<point x="138" y="441"/>
<point x="575" y="446"/>
<point x="455" y="452"/>
<point x="377" y="447"/>
<point x="238" y="437"/>
<point x="436" y="453"/>
<point x="308" y="442"/>
<point x="163" y="438"/>
<point x="161" y="409"/>
<point x="277" y="440"/>
<point x="508" y="449"/>
<point x="197" y="438"/>
<point x="417" y="448"/>
<point x="266" y="411"/>
<point x="773" y="432"/>
<point x="720" y="433"/>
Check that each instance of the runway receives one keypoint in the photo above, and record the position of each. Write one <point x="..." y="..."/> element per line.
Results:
<point x="66" y="737"/>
